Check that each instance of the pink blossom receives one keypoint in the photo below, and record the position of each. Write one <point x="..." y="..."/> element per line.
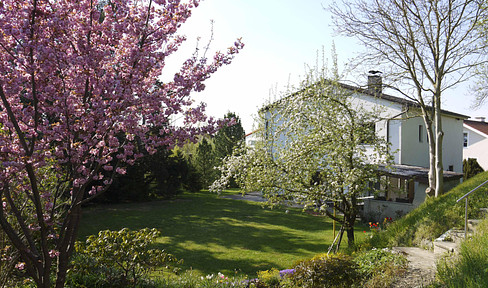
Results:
<point x="53" y="253"/>
<point x="120" y="171"/>
<point x="78" y="96"/>
<point x="20" y="266"/>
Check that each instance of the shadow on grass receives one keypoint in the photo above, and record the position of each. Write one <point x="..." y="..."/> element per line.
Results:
<point x="215" y="234"/>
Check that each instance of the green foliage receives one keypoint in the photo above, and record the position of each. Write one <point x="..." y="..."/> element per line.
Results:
<point x="228" y="137"/>
<point x="205" y="162"/>
<point x="226" y="140"/>
<point x="116" y="259"/>
<point x="324" y="271"/>
<point x="470" y="268"/>
<point x="471" y="167"/>
<point x="164" y="174"/>
<point x="269" y="278"/>
<point x="379" y="267"/>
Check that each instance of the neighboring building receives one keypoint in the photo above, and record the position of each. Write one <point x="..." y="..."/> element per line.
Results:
<point x="404" y="129"/>
<point x="252" y="138"/>
<point x="475" y="145"/>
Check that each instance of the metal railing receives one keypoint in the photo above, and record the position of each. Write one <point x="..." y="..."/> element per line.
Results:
<point x="466" y="207"/>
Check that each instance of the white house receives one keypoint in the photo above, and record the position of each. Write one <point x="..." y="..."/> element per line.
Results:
<point x="475" y="136"/>
<point x="404" y="129"/>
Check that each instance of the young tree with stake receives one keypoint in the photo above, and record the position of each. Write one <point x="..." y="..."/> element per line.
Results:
<point x="317" y="148"/>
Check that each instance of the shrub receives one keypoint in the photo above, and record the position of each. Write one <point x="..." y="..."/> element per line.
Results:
<point x="116" y="259"/>
<point x="379" y="267"/>
<point x="269" y="278"/>
<point x="471" y="167"/>
<point x="325" y="271"/>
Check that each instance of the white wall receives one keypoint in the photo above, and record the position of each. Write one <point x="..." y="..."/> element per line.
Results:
<point x="477" y="147"/>
<point x="386" y="110"/>
<point x="452" y="148"/>
<point x="415" y="151"/>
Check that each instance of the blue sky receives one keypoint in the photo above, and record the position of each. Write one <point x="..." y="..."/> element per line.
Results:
<point x="281" y="38"/>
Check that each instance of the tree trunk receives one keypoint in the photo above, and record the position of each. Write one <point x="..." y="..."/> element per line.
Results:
<point x="432" y="149"/>
<point x="439" y="188"/>
<point x="66" y="245"/>
<point x="350" y="236"/>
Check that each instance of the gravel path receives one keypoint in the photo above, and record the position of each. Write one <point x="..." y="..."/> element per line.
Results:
<point x="253" y="196"/>
<point x="421" y="268"/>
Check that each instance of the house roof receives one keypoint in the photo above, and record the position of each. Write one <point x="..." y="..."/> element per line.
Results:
<point x="420" y="174"/>
<point x="384" y="96"/>
<point x="477" y="125"/>
<point x="397" y="99"/>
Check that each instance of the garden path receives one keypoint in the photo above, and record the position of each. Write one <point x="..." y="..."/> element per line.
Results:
<point x="421" y="268"/>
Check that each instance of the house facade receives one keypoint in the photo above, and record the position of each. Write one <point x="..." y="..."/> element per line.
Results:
<point x="404" y="128"/>
<point x="403" y="185"/>
<point x="475" y="141"/>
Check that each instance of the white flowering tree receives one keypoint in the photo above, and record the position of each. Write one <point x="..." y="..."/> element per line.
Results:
<point x="318" y="148"/>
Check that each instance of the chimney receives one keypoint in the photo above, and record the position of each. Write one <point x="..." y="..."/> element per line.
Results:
<point x="482" y="119"/>
<point x="374" y="82"/>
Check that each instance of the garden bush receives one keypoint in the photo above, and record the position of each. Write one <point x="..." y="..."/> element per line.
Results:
<point x="380" y="267"/>
<point x="117" y="259"/>
<point x="326" y="271"/>
<point x="268" y="278"/>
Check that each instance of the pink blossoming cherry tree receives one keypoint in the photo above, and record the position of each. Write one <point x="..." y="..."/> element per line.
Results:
<point x="78" y="88"/>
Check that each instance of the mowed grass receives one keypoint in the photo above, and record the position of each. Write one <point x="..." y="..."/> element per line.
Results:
<point x="213" y="234"/>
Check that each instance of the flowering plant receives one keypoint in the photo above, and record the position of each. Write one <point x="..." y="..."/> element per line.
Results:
<point x="80" y="99"/>
<point x="377" y="226"/>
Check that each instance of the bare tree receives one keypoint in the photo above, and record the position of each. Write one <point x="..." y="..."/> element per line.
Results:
<point x="427" y="46"/>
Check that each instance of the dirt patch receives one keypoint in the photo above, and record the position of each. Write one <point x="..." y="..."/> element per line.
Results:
<point x="421" y="268"/>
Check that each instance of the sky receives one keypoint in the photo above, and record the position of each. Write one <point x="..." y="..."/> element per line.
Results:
<point x="282" y="38"/>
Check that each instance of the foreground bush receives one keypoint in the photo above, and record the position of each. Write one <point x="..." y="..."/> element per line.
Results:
<point x="117" y="259"/>
<point x="380" y="267"/>
<point x="323" y="271"/>
<point x="470" y="268"/>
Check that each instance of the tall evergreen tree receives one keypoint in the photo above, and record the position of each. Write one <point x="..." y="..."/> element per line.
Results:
<point x="228" y="137"/>
<point x="205" y="161"/>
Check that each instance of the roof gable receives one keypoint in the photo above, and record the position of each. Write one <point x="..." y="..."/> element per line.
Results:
<point x="380" y="95"/>
<point x="396" y="99"/>
<point x="478" y="126"/>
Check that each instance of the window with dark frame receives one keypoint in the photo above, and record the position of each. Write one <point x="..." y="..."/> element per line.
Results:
<point x="396" y="189"/>
<point x="421" y="133"/>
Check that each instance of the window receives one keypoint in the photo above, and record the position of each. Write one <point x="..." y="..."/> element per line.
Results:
<point x="451" y="168"/>
<point x="465" y="139"/>
<point x="396" y="189"/>
<point x="421" y="134"/>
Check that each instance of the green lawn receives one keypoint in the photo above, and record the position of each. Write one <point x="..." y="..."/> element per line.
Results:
<point x="215" y="234"/>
